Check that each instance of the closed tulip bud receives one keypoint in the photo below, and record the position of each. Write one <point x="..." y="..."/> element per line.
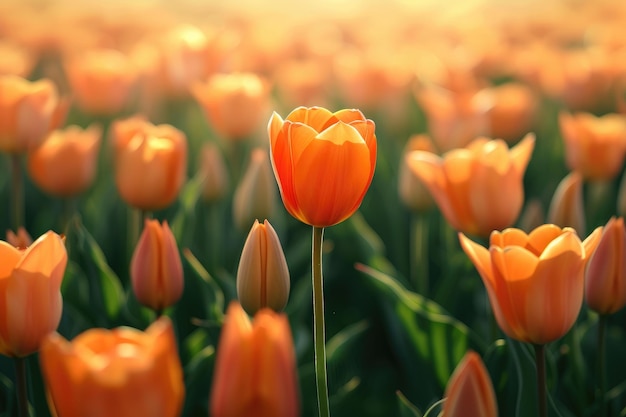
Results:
<point x="535" y="281"/>
<point x="30" y="285"/>
<point x="567" y="207"/>
<point x="21" y="239"/>
<point x="122" y="372"/>
<point x="255" y="368"/>
<point x="605" y="283"/>
<point x="213" y="173"/>
<point x="151" y="168"/>
<point x="263" y="275"/>
<point x="65" y="163"/>
<point x="323" y="162"/>
<point x="255" y="196"/>
<point x="478" y="188"/>
<point x="412" y="191"/>
<point x="156" y="270"/>
<point x="470" y="392"/>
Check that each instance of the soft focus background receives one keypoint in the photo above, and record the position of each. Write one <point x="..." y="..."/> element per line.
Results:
<point x="414" y="67"/>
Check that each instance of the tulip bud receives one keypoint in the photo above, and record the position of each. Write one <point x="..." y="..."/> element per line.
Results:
<point x="263" y="275"/>
<point x="255" y="368"/>
<point x="470" y="392"/>
<point x="605" y="283"/>
<point x="156" y="270"/>
<point x="213" y="173"/>
<point x="566" y="207"/>
<point x="21" y="239"/>
<point x="412" y="191"/>
<point x="255" y="196"/>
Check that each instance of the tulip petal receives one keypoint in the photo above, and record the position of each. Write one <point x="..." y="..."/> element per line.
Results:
<point x="318" y="118"/>
<point x="541" y="237"/>
<point x="591" y="242"/>
<point x="10" y="256"/>
<point x="46" y="256"/>
<point x="520" y="154"/>
<point x="274" y="127"/>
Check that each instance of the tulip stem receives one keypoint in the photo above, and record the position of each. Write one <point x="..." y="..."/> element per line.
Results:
<point x="17" y="191"/>
<point x="22" y="390"/>
<point x="419" y="254"/>
<point x="540" y="360"/>
<point x="602" y="363"/>
<point x="318" y="324"/>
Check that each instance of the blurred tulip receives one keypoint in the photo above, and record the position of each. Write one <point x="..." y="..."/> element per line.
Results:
<point x="303" y="83"/>
<point x="152" y="167"/>
<point x="101" y="80"/>
<point x="255" y="196"/>
<point x="255" y="368"/>
<point x="213" y="173"/>
<point x="323" y="162"/>
<point x="535" y="282"/>
<point x="412" y="191"/>
<point x="30" y="285"/>
<point x="470" y="392"/>
<point x="263" y="275"/>
<point x="156" y="270"/>
<point x="567" y="206"/>
<point x="19" y="240"/>
<point x="532" y="216"/>
<point x="235" y="104"/>
<point x="122" y="131"/>
<point x="122" y="372"/>
<point x="28" y="111"/>
<point x="65" y="163"/>
<point x="594" y="146"/>
<point x="605" y="280"/>
<point x="16" y="60"/>
<point x="478" y="188"/>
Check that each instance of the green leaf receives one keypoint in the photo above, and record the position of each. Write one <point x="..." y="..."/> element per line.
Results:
<point x="213" y="294"/>
<point x="183" y="221"/>
<point x="407" y="409"/>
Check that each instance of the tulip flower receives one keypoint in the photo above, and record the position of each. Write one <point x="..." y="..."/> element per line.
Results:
<point x="255" y="195"/>
<point x="605" y="282"/>
<point x="263" y="275"/>
<point x="65" y="163"/>
<point x="156" y="270"/>
<point x="235" y="104"/>
<point x="30" y="285"/>
<point x="478" y="188"/>
<point x="255" y="368"/>
<point x="20" y="239"/>
<point x="324" y="162"/>
<point x="470" y="392"/>
<point x="122" y="372"/>
<point x="412" y="192"/>
<point x="594" y="146"/>
<point x="535" y="281"/>
<point x="567" y="207"/>
<point x="151" y="167"/>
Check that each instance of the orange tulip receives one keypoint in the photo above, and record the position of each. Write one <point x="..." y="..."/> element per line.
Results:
<point x="478" y="188"/>
<point x="470" y="392"/>
<point x="28" y="111"/>
<point x="567" y="207"/>
<point x="65" y="163"/>
<point x="235" y="104"/>
<point x="411" y="190"/>
<point x="124" y="130"/>
<point x="156" y="270"/>
<point x="255" y="367"/>
<point x="535" y="281"/>
<point x="152" y="166"/>
<point x="30" y="285"/>
<point x="324" y="162"/>
<point x="605" y="281"/>
<point x="101" y="80"/>
<point x="122" y="372"/>
<point x="594" y="146"/>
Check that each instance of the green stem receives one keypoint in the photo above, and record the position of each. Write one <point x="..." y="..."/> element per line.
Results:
<point x="318" y="324"/>
<point x="22" y="390"/>
<point x="419" y="253"/>
<point x="540" y="360"/>
<point x="602" y="364"/>
<point x="17" y="191"/>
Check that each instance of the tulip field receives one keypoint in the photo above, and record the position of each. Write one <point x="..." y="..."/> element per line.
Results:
<point x="348" y="208"/>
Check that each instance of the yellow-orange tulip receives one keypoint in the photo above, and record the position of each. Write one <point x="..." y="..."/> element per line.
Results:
<point x="255" y="367"/>
<point x="28" y="111"/>
<point x="478" y="188"/>
<point x="156" y="270"/>
<point x="605" y="281"/>
<point x="470" y="392"/>
<point x="535" y="281"/>
<point x="122" y="372"/>
<point x="151" y="167"/>
<point x="65" y="163"/>
<point x="594" y="146"/>
<point x="30" y="287"/>
<point x="324" y="162"/>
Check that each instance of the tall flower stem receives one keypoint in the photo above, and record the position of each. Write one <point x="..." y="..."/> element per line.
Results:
<point x="319" y="338"/>
<point x="17" y="192"/>
<point x="22" y="391"/>
<point x="419" y="253"/>
<point x="602" y="363"/>
<point x="540" y="360"/>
